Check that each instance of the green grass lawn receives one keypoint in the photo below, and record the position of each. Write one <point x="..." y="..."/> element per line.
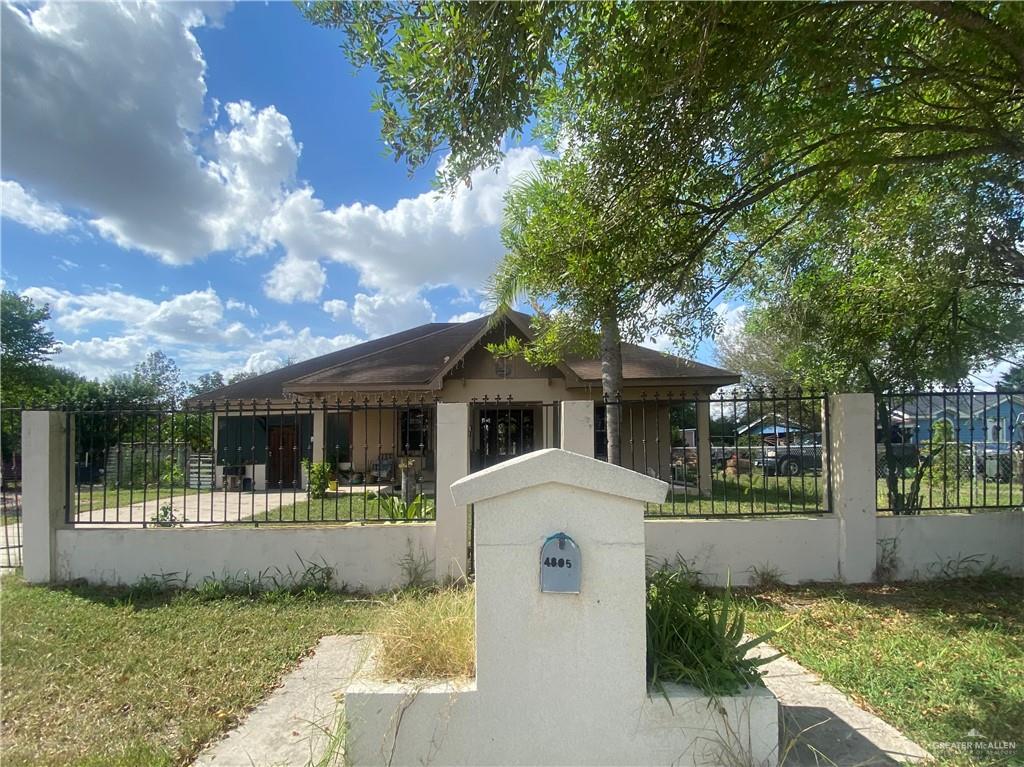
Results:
<point x="751" y="494"/>
<point x="120" y="677"/>
<point x="113" y="677"/>
<point x="976" y="494"/>
<point x="336" y="508"/>
<point x="933" y="659"/>
<point x="748" y="494"/>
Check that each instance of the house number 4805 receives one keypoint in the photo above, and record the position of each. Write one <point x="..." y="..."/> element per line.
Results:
<point x="559" y="562"/>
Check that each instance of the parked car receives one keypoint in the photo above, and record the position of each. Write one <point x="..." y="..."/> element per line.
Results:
<point x="791" y="460"/>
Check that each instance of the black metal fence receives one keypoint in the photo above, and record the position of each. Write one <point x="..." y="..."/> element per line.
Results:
<point x="10" y="489"/>
<point x="501" y="428"/>
<point x="946" y="450"/>
<point x="212" y="463"/>
<point x="738" y="453"/>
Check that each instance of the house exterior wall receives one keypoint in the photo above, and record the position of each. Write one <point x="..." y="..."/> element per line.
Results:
<point x="376" y="432"/>
<point x="976" y="427"/>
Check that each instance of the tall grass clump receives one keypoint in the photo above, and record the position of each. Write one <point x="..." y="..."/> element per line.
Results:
<point x="427" y="634"/>
<point x="693" y="638"/>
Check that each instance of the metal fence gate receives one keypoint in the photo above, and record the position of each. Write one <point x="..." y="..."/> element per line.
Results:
<point x="501" y="429"/>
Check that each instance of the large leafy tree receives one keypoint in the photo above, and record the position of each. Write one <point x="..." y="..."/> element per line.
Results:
<point x="559" y="255"/>
<point x="831" y="107"/>
<point x="25" y="342"/>
<point x="1012" y="379"/>
<point x="862" y="302"/>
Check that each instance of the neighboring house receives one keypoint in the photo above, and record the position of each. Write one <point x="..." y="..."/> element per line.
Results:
<point x="991" y="420"/>
<point x="446" y="362"/>
<point x="772" y="428"/>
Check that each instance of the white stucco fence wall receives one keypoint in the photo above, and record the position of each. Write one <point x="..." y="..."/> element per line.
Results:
<point x="931" y="546"/>
<point x="363" y="557"/>
<point x="799" y="549"/>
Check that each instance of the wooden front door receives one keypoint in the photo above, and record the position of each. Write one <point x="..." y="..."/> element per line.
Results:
<point x="283" y="458"/>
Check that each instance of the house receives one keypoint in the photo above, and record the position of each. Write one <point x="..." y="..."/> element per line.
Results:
<point x="368" y="408"/>
<point x="772" y="428"/>
<point x="988" y="420"/>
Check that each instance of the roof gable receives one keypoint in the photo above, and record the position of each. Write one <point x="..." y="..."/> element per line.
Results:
<point x="421" y="357"/>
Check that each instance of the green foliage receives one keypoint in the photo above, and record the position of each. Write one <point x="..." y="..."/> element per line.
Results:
<point x="165" y="517"/>
<point x="318" y="479"/>
<point x="171" y="473"/>
<point x="205" y="383"/>
<point x="159" y="375"/>
<point x="831" y="103"/>
<point x="396" y="509"/>
<point x="891" y="292"/>
<point x="947" y="463"/>
<point x="1012" y="379"/>
<point x="695" y="639"/>
<point x="25" y="341"/>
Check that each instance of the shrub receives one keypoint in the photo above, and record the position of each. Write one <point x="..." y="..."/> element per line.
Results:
<point x="319" y="476"/>
<point x="396" y="509"/>
<point x="693" y="640"/>
<point x="171" y="473"/>
<point x="427" y="634"/>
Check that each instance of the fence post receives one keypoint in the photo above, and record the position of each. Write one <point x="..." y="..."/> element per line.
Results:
<point x="578" y="427"/>
<point x="450" y="541"/>
<point x="851" y="469"/>
<point x="47" y="474"/>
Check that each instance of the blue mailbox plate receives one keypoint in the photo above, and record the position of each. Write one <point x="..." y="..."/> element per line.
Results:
<point x="560" y="565"/>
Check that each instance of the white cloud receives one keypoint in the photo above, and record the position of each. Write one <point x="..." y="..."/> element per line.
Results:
<point x="467" y="316"/>
<point x="380" y="314"/>
<point x="233" y="304"/>
<point x="19" y="205"/>
<point x="486" y="307"/>
<point x="293" y="279"/>
<point x="190" y="327"/>
<point x="337" y="308"/>
<point x="731" y="318"/>
<point x="429" y="240"/>
<point x="105" y="110"/>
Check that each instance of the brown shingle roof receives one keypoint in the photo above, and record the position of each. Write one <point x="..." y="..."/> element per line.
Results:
<point x="640" y="363"/>
<point x="414" y="358"/>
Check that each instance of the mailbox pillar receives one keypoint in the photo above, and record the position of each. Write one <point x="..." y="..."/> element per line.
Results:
<point x="527" y="638"/>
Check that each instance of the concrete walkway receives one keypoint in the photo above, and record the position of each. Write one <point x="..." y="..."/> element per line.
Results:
<point x="296" y="725"/>
<point x="819" y="725"/>
<point x="199" y="509"/>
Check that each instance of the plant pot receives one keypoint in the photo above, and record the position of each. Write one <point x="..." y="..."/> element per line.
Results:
<point x="332" y="485"/>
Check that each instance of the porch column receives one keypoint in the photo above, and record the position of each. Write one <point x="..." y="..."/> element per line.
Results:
<point x="47" y="474"/>
<point x="578" y="427"/>
<point x="704" y="447"/>
<point x="451" y="535"/>
<point x="319" y="435"/>
<point x="851" y="469"/>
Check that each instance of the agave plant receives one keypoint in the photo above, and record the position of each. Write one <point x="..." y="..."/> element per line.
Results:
<point x="693" y="640"/>
<point x="396" y="509"/>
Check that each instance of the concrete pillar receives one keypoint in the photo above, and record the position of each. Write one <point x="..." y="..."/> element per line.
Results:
<point x="704" y="447"/>
<point x="319" y="435"/>
<point x="578" y="427"/>
<point x="451" y="539"/>
<point x="851" y="459"/>
<point x="47" y="475"/>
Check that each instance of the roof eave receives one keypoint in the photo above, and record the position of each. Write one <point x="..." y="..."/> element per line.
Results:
<point x="672" y="382"/>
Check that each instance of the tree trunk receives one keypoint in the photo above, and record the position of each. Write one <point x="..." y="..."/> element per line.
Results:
<point x="611" y="383"/>
<point x="901" y="503"/>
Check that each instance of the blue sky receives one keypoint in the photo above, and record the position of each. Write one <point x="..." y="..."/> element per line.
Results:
<point x="210" y="181"/>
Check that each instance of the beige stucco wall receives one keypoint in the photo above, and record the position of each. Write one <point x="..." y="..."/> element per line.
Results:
<point x="364" y="557"/>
